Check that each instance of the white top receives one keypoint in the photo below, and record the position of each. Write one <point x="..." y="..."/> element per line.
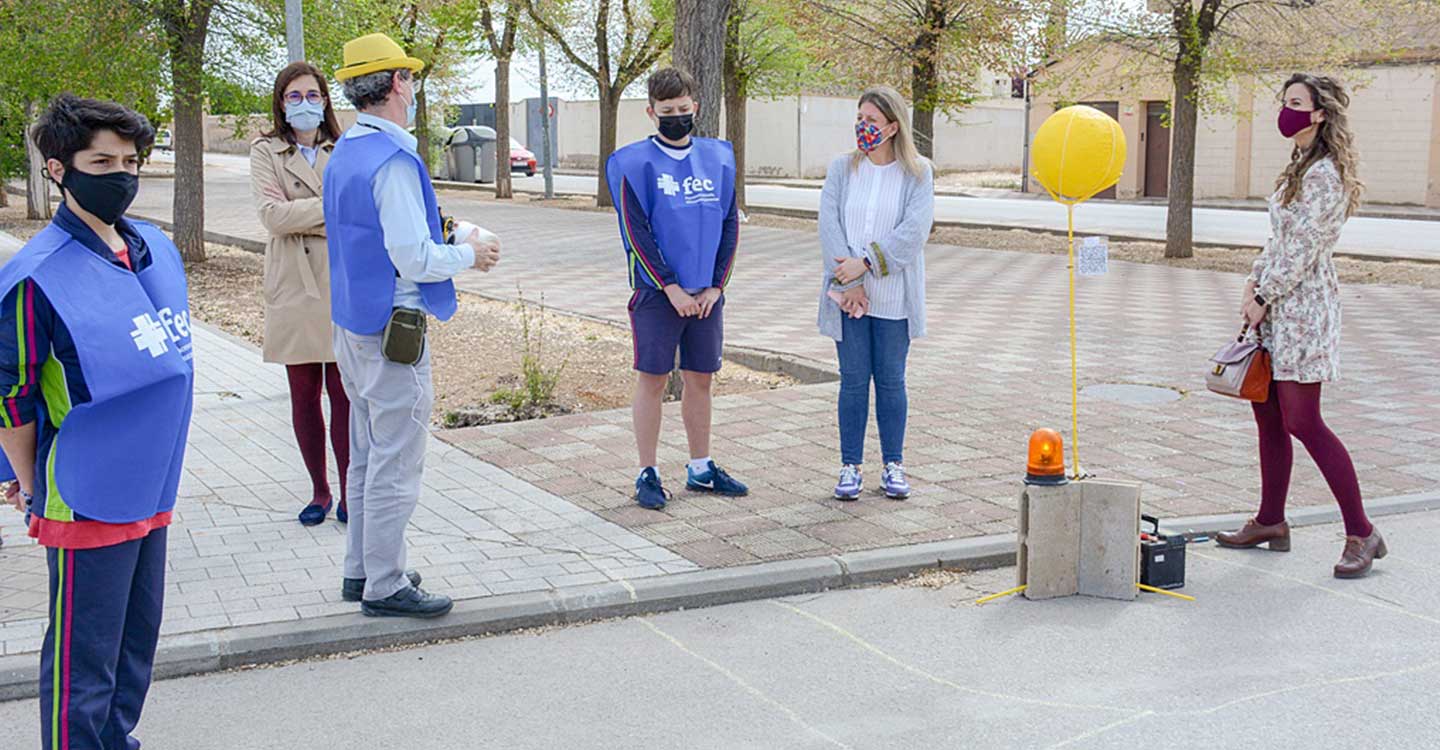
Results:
<point x="873" y="207"/>
<point x="678" y="154"/>
<point x="396" y="187"/>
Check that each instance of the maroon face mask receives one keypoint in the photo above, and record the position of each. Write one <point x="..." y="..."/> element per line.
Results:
<point x="1293" y="121"/>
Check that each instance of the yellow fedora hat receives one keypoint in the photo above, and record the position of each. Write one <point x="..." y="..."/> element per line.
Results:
<point x="373" y="53"/>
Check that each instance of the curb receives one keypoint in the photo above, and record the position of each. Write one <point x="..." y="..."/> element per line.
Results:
<point x="217" y="650"/>
<point x="805" y="370"/>
<point x="254" y="246"/>
<point x="1307" y="516"/>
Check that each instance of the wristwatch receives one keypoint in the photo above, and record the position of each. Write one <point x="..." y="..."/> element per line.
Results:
<point x="1260" y="301"/>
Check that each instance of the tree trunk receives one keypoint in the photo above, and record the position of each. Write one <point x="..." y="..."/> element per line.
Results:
<point x="924" y="82"/>
<point x="700" y="31"/>
<point x="503" y="188"/>
<point x="37" y="185"/>
<point x="422" y="130"/>
<point x="1180" y="220"/>
<point x="735" y="120"/>
<point x="735" y="110"/>
<point x="187" y="51"/>
<point x="609" y="113"/>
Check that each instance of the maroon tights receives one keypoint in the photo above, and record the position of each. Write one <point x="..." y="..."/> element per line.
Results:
<point x="309" y="420"/>
<point x="1294" y="409"/>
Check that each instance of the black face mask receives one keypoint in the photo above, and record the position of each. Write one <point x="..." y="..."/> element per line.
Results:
<point x="104" y="195"/>
<point x="676" y="127"/>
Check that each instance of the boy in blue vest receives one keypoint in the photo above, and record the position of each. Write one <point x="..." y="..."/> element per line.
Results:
<point x="390" y="271"/>
<point x="97" y="381"/>
<point x="679" y="222"/>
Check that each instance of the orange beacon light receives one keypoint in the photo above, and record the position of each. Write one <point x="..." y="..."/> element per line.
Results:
<point x="1046" y="462"/>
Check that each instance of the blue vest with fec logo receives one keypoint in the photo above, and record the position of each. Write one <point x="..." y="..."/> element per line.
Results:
<point x="116" y="458"/>
<point x="362" y="278"/>
<point x="686" y="201"/>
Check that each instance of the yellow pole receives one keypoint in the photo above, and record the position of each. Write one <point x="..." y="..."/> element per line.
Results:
<point x="1074" y="353"/>
<point x="1154" y="590"/>
<point x="993" y="597"/>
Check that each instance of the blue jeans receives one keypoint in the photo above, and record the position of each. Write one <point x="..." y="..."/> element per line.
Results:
<point x="873" y="348"/>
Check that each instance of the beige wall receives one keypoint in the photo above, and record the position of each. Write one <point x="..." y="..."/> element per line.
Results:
<point x="1394" y="114"/>
<point x="799" y="136"/>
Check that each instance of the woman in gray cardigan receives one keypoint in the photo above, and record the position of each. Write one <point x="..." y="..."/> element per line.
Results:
<point x="875" y="215"/>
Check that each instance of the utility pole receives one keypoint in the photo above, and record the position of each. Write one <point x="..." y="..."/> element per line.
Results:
<point x="547" y="158"/>
<point x="294" y="31"/>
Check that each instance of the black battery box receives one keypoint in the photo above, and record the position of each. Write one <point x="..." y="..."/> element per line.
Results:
<point x="1162" y="557"/>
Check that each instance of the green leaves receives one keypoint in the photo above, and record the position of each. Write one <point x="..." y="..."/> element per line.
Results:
<point x="103" y="50"/>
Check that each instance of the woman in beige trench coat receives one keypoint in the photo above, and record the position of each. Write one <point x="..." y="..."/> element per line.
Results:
<point x="286" y="165"/>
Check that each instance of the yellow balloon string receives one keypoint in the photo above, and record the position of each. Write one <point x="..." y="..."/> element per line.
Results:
<point x="1074" y="354"/>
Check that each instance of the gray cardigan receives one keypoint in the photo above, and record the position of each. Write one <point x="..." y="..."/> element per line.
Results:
<point x="902" y="251"/>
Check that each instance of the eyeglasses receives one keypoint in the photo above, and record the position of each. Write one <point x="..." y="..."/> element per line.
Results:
<point x="295" y="97"/>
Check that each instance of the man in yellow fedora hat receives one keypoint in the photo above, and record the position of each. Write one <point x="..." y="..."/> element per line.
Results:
<point x="390" y="270"/>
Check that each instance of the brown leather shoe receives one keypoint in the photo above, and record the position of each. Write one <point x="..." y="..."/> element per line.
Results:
<point x="1360" y="553"/>
<point x="1276" y="537"/>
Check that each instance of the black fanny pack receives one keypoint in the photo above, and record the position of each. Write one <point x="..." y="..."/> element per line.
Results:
<point x="404" y="339"/>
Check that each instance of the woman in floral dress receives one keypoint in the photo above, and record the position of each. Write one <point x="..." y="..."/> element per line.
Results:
<point x="1292" y="298"/>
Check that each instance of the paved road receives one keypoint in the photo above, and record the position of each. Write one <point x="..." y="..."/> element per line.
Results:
<point x="1274" y="653"/>
<point x="1362" y="236"/>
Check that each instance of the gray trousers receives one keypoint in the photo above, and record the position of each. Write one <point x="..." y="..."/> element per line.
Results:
<point x="389" y="427"/>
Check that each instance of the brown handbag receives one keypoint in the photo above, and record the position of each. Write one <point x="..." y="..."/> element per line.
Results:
<point x="1241" y="369"/>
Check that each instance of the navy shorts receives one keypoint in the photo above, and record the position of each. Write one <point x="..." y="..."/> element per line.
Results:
<point x="658" y="330"/>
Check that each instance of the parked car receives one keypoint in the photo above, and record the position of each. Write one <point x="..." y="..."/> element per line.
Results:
<point x="163" y="140"/>
<point x="521" y="159"/>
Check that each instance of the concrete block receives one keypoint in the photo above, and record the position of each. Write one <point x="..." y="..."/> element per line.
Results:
<point x="1050" y="541"/>
<point x="1109" y="538"/>
<point x="1080" y="538"/>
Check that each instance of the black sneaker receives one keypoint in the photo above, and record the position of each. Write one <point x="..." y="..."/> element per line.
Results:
<point x="411" y="601"/>
<point x="648" y="492"/>
<point x="353" y="589"/>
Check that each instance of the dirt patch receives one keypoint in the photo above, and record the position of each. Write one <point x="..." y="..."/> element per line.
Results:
<point x="478" y="353"/>
<point x="13" y="221"/>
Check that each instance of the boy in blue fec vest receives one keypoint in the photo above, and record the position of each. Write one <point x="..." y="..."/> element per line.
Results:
<point x="95" y="395"/>
<point x="679" y="222"/>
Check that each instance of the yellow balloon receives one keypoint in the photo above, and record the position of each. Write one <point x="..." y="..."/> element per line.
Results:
<point x="1078" y="152"/>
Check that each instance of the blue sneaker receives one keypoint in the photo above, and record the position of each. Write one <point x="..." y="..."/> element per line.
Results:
<point x="851" y="483"/>
<point x="648" y="492"/>
<point x="894" y="483"/>
<point x="715" y="480"/>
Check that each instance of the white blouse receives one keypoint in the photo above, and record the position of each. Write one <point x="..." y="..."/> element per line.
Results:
<point x="873" y="207"/>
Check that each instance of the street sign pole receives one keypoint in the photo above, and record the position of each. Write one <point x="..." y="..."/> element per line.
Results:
<point x="294" y="31"/>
